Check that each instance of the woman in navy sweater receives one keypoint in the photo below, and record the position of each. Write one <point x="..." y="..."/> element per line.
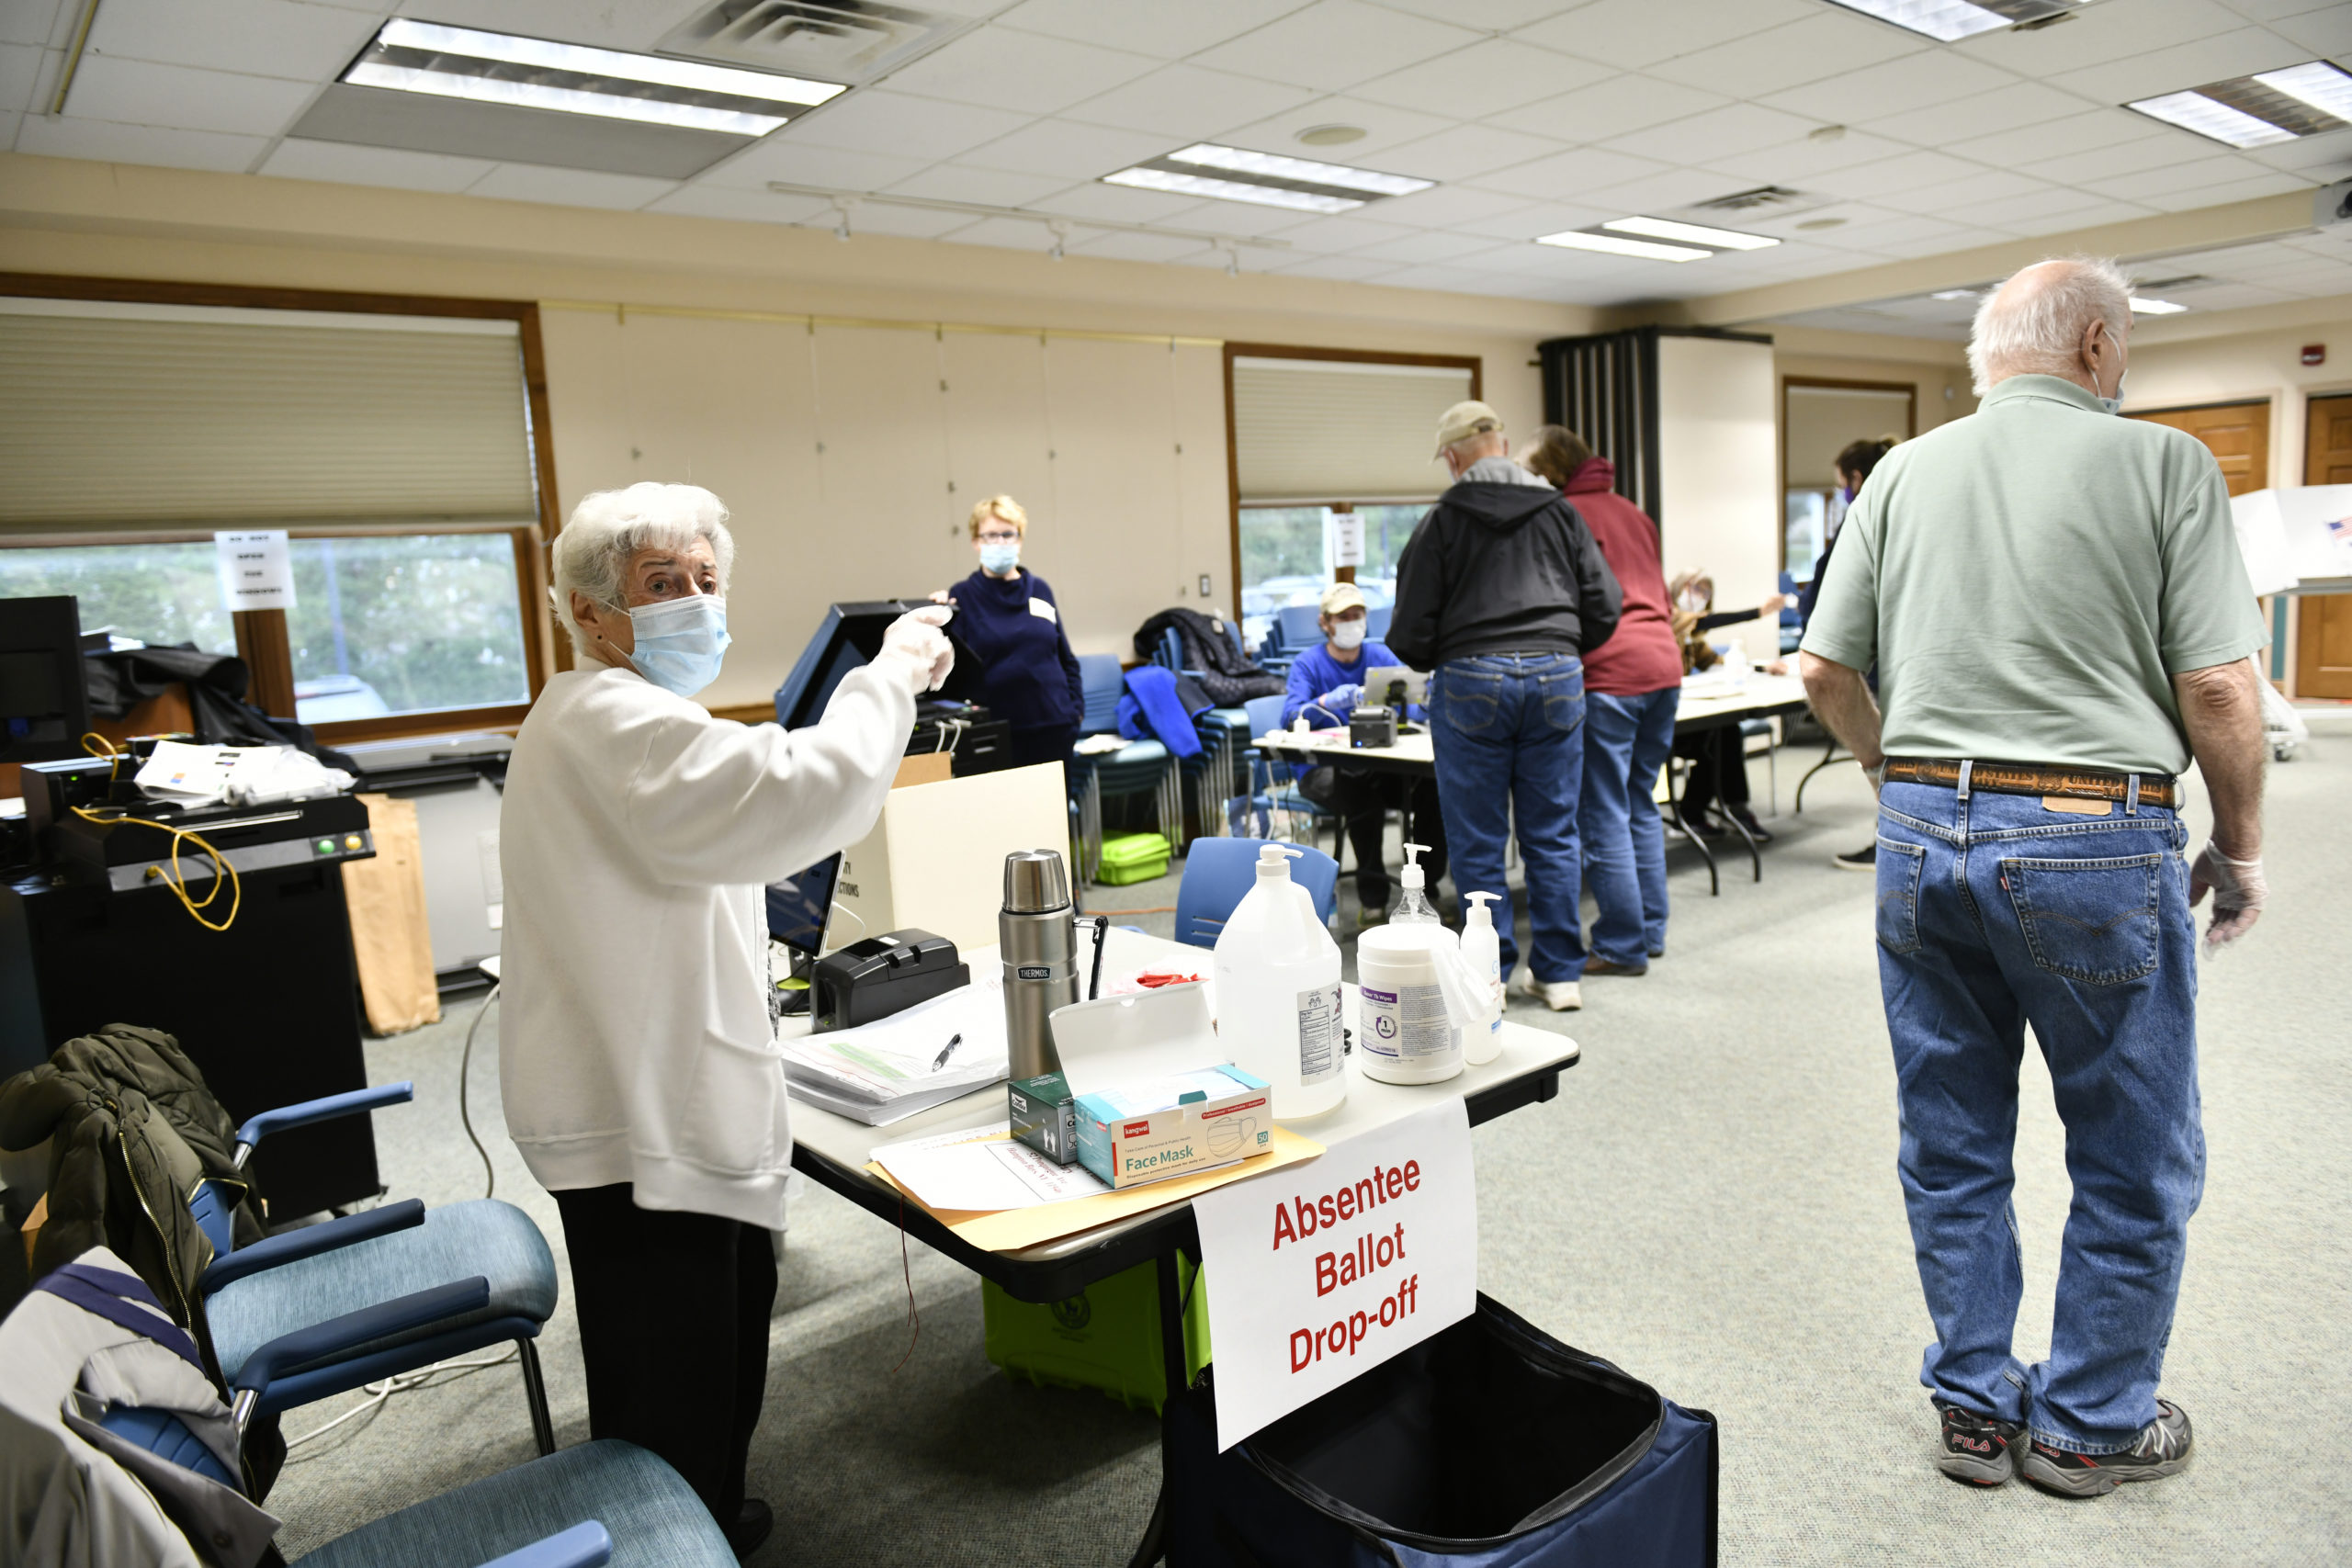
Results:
<point x="1008" y="617"/>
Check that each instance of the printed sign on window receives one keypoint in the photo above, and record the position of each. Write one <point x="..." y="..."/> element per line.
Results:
<point x="257" y="571"/>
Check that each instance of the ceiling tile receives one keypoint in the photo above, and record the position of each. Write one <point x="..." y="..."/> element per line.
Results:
<point x="2053" y="138"/>
<point x="873" y="119"/>
<point x="1958" y="237"/>
<point x="989" y="188"/>
<point x="1532" y="218"/>
<point x="1664" y="192"/>
<point x="907" y="222"/>
<point x="1608" y="108"/>
<point x="137" y="92"/>
<point x="1465" y="151"/>
<point x="1118" y="203"/>
<point x="1700" y="137"/>
<point x="258" y="38"/>
<point x="1337" y="269"/>
<point x="36" y="22"/>
<point x="1911" y="171"/>
<point x="1488" y="16"/>
<point x="1384" y="125"/>
<point x="1499" y="74"/>
<point x="738" y="206"/>
<point x="1158" y="27"/>
<point x="1632" y="34"/>
<point x="2325" y="158"/>
<point x="71" y="136"/>
<point x="1420" y="249"/>
<point x="1817" y="48"/>
<point x="1985" y="185"/>
<point x="2009" y="211"/>
<point x="2183" y="65"/>
<point x="1336" y="44"/>
<point x="1332" y="235"/>
<point x="1233" y="218"/>
<point x="2087" y="213"/>
<point x="795" y="164"/>
<point x="1073" y="152"/>
<point x="2237" y="188"/>
<point x="2163" y="149"/>
<point x="1448" y="206"/>
<point x="1008" y="70"/>
<point x="346" y="164"/>
<point x="2181" y="173"/>
<point x="2019" y="105"/>
<point x="1571" y="174"/>
<point x="20" y="76"/>
<point x="1185" y="103"/>
<point x="2324" y="31"/>
<point x="570" y="187"/>
<point x="1912" y="81"/>
<point x="1118" y="246"/>
<point x="2097" y="34"/>
<point x="1797" y="162"/>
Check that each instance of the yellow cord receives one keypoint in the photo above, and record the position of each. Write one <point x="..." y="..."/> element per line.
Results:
<point x="173" y="879"/>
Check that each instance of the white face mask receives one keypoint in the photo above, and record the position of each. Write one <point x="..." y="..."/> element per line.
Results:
<point x="1347" y="633"/>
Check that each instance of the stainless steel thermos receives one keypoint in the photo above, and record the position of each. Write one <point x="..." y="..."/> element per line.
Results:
<point x="1039" y="942"/>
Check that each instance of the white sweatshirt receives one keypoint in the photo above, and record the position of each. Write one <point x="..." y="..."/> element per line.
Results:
<point x="637" y="837"/>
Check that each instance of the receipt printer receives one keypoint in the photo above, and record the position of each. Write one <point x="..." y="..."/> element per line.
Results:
<point x="1369" y="726"/>
<point x="880" y="976"/>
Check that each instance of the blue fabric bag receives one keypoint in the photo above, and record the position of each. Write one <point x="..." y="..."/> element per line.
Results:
<point x="1152" y="707"/>
<point x="1490" y="1445"/>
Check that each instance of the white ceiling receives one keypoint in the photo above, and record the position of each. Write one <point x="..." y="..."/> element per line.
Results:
<point x="1534" y="115"/>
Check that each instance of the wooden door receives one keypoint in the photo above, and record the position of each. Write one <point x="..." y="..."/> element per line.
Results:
<point x="2238" y="435"/>
<point x="2324" y="621"/>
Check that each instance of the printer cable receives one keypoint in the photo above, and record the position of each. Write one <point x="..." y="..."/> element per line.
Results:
<point x="465" y="1111"/>
<point x="222" y="870"/>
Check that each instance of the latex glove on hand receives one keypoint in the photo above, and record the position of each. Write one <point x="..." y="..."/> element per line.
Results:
<point x="917" y="650"/>
<point x="1340" y="699"/>
<point x="2238" y="892"/>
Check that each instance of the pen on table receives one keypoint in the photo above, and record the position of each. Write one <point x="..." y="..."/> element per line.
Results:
<point x="941" y="1060"/>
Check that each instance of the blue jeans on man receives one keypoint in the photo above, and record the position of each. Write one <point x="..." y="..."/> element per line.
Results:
<point x="1507" y="730"/>
<point x="1994" y="913"/>
<point x="1626" y="742"/>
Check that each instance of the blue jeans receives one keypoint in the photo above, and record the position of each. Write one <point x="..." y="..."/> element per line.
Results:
<point x="1994" y="913"/>
<point x="1507" y="733"/>
<point x="1626" y="742"/>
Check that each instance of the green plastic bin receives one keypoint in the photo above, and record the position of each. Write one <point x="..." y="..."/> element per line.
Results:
<point x="1134" y="857"/>
<point x="1106" y="1336"/>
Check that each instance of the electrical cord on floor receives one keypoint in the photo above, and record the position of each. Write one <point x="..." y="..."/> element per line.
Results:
<point x="402" y="1382"/>
<point x="465" y="1111"/>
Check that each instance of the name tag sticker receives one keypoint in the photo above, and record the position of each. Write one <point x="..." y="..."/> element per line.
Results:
<point x="1044" y="610"/>
<point x="2074" y="807"/>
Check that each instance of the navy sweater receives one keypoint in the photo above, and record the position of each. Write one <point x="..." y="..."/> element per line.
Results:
<point x="1029" y="677"/>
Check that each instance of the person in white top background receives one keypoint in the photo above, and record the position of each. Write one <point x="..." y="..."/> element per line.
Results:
<point x="637" y="1048"/>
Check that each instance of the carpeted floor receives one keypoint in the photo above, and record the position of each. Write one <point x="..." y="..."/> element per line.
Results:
<point x="1710" y="1202"/>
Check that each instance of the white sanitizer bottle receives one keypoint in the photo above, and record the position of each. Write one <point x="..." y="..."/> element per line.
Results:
<point x="1482" y="952"/>
<point x="1278" y="992"/>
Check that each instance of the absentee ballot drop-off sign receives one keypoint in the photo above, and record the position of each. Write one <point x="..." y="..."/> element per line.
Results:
<point x="1319" y="1271"/>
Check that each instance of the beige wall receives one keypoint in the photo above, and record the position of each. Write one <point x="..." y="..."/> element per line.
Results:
<point x="2239" y="354"/>
<point x="1718" y="465"/>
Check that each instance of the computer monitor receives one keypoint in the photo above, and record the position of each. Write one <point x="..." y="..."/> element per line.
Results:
<point x="798" y="907"/>
<point x="44" y="701"/>
<point x="848" y="639"/>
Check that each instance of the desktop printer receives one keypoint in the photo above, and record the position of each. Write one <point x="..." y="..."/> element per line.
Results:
<point x="883" y="975"/>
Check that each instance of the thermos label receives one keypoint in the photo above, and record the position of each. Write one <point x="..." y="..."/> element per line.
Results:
<point x="1033" y="972"/>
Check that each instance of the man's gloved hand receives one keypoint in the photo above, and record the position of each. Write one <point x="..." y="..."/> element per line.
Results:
<point x="917" y="649"/>
<point x="2238" y="892"/>
<point x="1340" y="699"/>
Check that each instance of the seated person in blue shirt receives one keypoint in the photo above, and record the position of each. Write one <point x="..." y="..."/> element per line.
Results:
<point x="1008" y="617"/>
<point x="1326" y="682"/>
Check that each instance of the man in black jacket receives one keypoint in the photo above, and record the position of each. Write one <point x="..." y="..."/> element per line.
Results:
<point x="1499" y="594"/>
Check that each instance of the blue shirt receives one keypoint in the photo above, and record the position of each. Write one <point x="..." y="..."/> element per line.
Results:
<point x="1029" y="677"/>
<point x="1317" y="672"/>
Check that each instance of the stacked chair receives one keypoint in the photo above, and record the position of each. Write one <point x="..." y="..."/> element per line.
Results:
<point x="1141" y="767"/>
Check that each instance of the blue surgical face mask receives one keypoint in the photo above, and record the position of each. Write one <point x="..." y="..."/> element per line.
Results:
<point x="2115" y="403"/>
<point x="680" y="642"/>
<point x="997" y="559"/>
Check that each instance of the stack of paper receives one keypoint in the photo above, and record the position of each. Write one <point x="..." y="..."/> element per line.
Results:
<point x="238" y="775"/>
<point x="883" y="1072"/>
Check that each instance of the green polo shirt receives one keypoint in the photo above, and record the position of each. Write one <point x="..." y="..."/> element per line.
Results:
<point x="2028" y="580"/>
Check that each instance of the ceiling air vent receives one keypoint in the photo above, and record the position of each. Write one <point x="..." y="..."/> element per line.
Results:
<point x="1762" y="199"/>
<point x="852" y="41"/>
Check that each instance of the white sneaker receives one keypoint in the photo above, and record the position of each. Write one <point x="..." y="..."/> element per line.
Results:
<point x="1560" y="996"/>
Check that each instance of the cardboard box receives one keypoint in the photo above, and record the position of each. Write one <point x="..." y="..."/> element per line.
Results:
<point x="1174" y="1125"/>
<point x="1040" y="1110"/>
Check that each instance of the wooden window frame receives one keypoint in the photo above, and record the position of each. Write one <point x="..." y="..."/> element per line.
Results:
<point x="1837" y="384"/>
<point x="1233" y="351"/>
<point x="261" y="634"/>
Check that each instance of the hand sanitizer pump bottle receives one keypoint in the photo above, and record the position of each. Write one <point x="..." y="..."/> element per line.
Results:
<point x="1278" y="992"/>
<point x="1482" y="951"/>
<point x="1414" y="908"/>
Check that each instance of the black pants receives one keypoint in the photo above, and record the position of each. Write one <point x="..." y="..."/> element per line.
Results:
<point x="1361" y="798"/>
<point x="674" y="1327"/>
<point x="1713" y="754"/>
<point x="1049" y="744"/>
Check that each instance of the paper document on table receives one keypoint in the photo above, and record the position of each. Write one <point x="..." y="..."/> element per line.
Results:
<point x="939" y="1048"/>
<point x="958" y="1172"/>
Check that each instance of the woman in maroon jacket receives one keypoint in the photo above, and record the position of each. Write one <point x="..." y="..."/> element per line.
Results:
<point x="1633" y="683"/>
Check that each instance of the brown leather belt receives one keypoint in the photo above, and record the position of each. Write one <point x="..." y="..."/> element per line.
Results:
<point x="2029" y="778"/>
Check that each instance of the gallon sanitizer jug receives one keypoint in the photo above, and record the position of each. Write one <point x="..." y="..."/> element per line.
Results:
<point x="1482" y="955"/>
<point x="1278" y="992"/>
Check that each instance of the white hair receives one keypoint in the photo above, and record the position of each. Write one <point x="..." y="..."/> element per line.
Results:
<point x="592" y="551"/>
<point x="2033" y="322"/>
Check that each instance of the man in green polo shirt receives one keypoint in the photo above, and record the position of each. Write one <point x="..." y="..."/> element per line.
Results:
<point x="2061" y="621"/>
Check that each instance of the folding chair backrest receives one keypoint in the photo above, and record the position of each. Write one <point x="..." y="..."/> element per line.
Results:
<point x="213" y="1207"/>
<point x="164" y="1435"/>
<point x="1219" y="872"/>
<point x="1300" y="624"/>
<point x="1171" y="655"/>
<point x="1265" y="714"/>
<point x="1104" y="684"/>
<point x="1376" y="622"/>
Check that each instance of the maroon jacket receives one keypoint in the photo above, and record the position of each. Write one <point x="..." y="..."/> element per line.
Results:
<point x="1642" y="657"/>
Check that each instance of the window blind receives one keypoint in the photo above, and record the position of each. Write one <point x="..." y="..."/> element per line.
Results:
<point x="1337" y="430"/>
<point x="121" y="416"/>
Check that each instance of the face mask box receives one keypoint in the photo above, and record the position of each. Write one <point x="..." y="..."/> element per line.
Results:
<point x="1174" y="1125"/>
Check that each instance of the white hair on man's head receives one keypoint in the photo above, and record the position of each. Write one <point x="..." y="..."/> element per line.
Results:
<point x="2033" y="322"/>
<point x="592" y="553"/>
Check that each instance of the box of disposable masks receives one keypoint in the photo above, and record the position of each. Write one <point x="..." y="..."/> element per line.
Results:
<point x="1151" y="1097"/>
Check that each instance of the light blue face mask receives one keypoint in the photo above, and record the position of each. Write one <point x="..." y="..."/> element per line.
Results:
<point x="997" y="559"/>
<point x="680" y="642"/>
<point x="2115" y="403"/>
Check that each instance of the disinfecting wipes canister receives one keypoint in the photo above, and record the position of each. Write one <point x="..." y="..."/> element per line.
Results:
<point x="1405" y="1035"/>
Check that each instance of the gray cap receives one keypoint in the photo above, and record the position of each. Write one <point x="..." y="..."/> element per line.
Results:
<point x="1034" y="882"/>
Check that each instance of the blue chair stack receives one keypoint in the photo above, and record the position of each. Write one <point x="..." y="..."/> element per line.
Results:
<point x="1220" y="872"/>
<point x="1271" y="788"/>
<point x="1140" y="767"/>
<point x="1224" y="733"/>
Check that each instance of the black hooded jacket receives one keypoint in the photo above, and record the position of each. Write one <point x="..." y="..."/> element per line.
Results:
<point x="1501" y="569"/>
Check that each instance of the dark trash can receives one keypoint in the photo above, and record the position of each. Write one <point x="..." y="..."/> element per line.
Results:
<point x="1490" y="1445"/>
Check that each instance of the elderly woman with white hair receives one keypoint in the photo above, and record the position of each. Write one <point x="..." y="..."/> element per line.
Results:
<point x="636" y="1049"/>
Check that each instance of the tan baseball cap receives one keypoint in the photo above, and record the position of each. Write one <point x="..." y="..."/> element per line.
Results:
<point x="1341" y="597"/>
<point x="1464" y="421"/>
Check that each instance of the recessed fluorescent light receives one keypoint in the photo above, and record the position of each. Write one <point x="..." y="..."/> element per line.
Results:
<point x="465" y="62"/>
<point x="1953" y="294"/>
<point x="1237" y="173"/>
<point x="1648" y="250"/>
<point x="2145" y="307"/>
<point x="1696" y="233"/>
<point x="2207" y="117"/>
<point x="1949" y="20"/>
<point x="2315" y="82"/>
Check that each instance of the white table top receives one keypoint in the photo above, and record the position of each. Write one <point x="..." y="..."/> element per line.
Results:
<point x="850" y="1145"/>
